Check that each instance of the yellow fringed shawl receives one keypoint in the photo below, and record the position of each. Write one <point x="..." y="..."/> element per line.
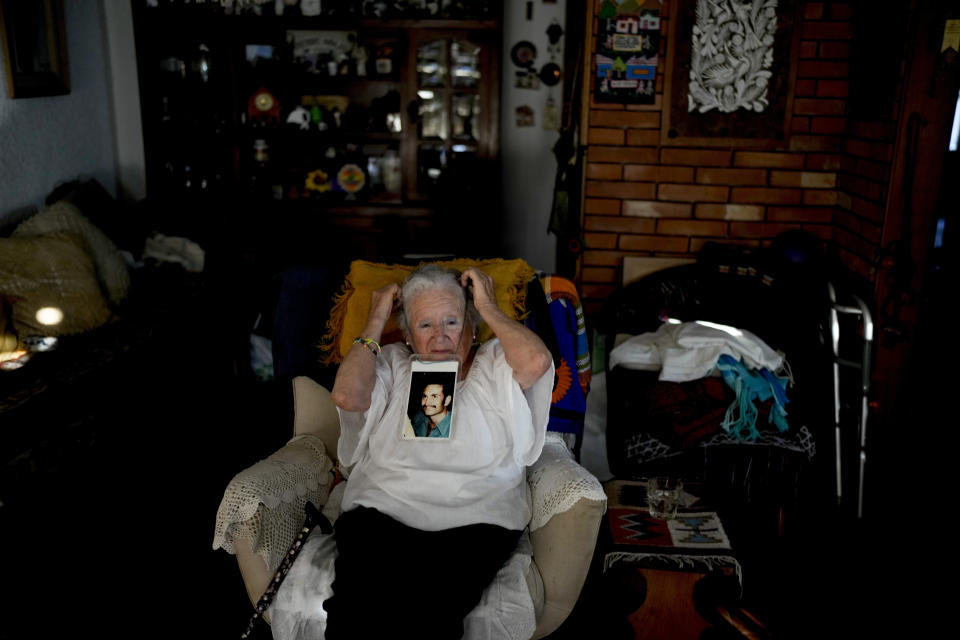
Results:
<point x="352" y="305"/>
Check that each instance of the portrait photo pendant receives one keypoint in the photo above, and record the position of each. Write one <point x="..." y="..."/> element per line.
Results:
<point x="430" y="404"/>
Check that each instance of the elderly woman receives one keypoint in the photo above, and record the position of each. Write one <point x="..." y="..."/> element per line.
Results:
<point x="428" y="522"/>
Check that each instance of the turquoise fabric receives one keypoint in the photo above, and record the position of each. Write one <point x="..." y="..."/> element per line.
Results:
<point x="752" y="387"/>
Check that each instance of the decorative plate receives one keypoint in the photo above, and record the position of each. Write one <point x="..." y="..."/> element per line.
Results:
<point x="523" y="54"/>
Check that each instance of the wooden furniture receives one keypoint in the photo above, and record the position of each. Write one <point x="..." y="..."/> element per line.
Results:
<point x="671" y="580"/>
<point x="393" y="142"/>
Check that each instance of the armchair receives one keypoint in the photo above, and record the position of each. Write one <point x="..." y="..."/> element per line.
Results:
<point x="258" y="520"/>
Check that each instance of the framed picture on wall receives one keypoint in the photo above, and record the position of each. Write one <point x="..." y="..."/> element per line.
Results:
<point x="730" y="73"/>
<point x="627" y="47"/>
<point x="34" y="48"/>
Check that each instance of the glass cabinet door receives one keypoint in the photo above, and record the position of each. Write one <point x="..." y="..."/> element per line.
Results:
<point x="451" y="111"/>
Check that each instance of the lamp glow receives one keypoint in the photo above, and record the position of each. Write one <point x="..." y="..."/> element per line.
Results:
<point x="49" y="316"/>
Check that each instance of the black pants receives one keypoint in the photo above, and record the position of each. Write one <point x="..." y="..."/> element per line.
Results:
<point x="396" y="581"/>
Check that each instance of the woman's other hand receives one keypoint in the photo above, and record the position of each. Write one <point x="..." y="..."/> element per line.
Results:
<point x="383" y="302"/>
<point x="524" y="350"/>
<point x="481" y="287"/>
<point x="356" y="375"/>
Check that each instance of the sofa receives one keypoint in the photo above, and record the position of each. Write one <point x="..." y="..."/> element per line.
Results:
<point x="64" y="386"/>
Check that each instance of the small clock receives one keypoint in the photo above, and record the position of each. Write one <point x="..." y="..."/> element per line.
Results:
<point x="263" y="106"/>
<point x="264" y="101"/>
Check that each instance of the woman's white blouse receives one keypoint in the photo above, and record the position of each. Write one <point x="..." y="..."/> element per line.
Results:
<point x="477" y="475"/>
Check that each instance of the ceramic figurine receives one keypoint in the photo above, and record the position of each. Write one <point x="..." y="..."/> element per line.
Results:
<point x="360" y="55"/>
<point x="301" y="117"/>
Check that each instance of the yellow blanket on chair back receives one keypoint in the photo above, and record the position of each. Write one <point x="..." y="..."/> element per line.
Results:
<point x="352" y="305"/>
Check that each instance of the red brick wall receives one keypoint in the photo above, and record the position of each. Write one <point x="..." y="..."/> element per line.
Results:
<point x="829" y="177"/>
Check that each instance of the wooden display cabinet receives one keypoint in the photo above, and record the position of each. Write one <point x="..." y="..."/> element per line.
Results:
<point x="395" y="121"/>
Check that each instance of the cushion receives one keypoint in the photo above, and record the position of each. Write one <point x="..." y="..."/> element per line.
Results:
<point x="123" y="225"/>
<point x="352" y="305"/>
<point x="51" y="271"/>
<point x="111" y="269"/>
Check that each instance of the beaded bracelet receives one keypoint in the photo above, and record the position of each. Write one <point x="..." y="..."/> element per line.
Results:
<point x="372" y="345"/>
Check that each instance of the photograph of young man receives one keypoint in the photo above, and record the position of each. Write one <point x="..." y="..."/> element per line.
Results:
<point x="433" y="419"/>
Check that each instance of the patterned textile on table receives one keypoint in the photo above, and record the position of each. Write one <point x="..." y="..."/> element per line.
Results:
<point x="349" y="314"/>
<point x="695" y="539"/>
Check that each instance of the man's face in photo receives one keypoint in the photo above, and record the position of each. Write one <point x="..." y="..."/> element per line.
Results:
<point x="434" y="403"/>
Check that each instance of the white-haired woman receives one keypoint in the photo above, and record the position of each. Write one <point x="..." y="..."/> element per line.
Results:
<point x="425" y="525"/>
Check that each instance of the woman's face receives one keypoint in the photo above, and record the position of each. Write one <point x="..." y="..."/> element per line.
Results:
<point x="436" y="319"/>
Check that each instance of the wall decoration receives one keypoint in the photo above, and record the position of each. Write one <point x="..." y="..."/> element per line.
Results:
<point x="524" y="115"/>
<point x="551" y="115"/>
<point x="727" y="80"/>
<point x="34" y="48"/>
<point x="554" y="31"/>
<point x="527" y="79"/>
<point x="550" y="74"/>
<point x="523" y="54"/>
<point x="731" y="55"/>
<point x="628" y="42"/>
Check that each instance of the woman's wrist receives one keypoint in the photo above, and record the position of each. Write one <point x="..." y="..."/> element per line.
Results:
<point x="373" y="330"/>
<point x="493" y="315"/>
<point x="369" y="344"/>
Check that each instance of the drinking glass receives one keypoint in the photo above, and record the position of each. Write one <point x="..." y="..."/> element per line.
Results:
<point x="663" y="496"/>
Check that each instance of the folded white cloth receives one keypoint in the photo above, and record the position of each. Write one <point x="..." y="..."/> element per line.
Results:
<point x="689" y="350"/>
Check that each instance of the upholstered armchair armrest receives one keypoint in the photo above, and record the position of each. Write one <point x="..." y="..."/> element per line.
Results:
<point x="263" y="508"/>
<point x="568" y="507"/>
<point x="314" y="413"/>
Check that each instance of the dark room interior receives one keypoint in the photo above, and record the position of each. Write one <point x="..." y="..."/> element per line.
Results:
<point x="781" y="166"/>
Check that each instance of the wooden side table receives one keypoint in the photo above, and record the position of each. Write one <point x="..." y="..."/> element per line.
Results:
<point x="665" y="578"/>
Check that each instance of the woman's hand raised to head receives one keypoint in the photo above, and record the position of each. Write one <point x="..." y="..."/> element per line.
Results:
<point x="383" y="302"/>
<point x="481" y="287"/>
<point x="356" y="375"/>
<point x="524" y="350"/>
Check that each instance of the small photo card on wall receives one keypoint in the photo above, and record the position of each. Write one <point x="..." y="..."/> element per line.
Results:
<point x="524" y="116"/>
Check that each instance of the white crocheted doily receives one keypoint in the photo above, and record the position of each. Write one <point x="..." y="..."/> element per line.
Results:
<point x="557" y="482"/>
<point x="265" y="503"/>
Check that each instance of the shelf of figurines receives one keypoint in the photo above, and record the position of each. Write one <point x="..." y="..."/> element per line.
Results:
<point x="294" y="202"/>
<point x="330" y="114"/>
<point x="347" y="176"/>
<point x="314" y="135"/>
<point x="347" y="12"/>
